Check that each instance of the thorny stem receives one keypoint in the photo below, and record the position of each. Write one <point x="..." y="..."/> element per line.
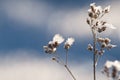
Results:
<point x="70" y="72"/>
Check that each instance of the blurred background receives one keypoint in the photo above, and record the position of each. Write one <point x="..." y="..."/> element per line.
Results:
<point x="27" y="25"/>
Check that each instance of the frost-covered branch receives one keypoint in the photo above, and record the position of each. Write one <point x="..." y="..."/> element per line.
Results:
<point x="98" y="26"/>
<point x="52" y="46"/>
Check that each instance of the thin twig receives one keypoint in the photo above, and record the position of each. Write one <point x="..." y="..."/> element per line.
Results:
<point x="59" y="61"/>
<point x="70" y="72"/>
<point x="66" y="57"/>
<point x="94" y="54"/>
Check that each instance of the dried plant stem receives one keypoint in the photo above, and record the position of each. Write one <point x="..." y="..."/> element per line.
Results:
<point x="59" y="61"/>
<point x="94" y="68"/>
<point x="66" y="63"/>
<point x="66" y="57"/>
<point x="94" y="54"/>
<point x="70" y="72"/>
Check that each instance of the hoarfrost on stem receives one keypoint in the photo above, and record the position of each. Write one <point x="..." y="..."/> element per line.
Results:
<point x="52" y="48"/>
<point x="98" y="26"/>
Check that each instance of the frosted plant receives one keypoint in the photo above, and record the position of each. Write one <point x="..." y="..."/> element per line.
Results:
<point x="51" y="48"/>
<point x="99" y="45"/>
<point x="111" y="70"/>
<point x="58" y="39"/>
<point x="52" y="45"/>
<point x="97" y="26"/>
<point x="67" y="45"/>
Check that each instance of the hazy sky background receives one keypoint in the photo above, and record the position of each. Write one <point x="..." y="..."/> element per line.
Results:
<point x="27" y="25"/>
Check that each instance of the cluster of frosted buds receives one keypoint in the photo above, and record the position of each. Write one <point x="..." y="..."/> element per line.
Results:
<point x="57" y="40"/>
<point x="68" y="43"/>
<point x="102" y="25"/>
<point x="95" y="13"/>
<point x="52" y="45"/>
<point x="111" y="69"/>
<point x="97" y="52"/>
<point x="105" y="43"/>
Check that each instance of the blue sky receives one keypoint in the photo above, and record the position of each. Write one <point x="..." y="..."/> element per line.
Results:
<point x="26" y="26"/>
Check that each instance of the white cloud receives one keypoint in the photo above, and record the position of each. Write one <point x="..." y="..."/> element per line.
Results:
<point x="42" y="70"/>
<point x="66" y="21"/>
<point x="31" y="67"/>
<point x="30" y="12"/>
<point x="72" y="22"/>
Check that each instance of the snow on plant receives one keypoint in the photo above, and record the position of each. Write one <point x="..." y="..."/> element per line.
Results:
<point x="99" y="45"/>
<point x="111" y="70"/>
<point x="58" y="39"/>
<point x="97" y="26"/>
<point x="69" y="43"/>
<point x="52" y="46"/>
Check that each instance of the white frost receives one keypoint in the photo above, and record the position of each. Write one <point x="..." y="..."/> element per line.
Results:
<point x="58" y="38"/>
